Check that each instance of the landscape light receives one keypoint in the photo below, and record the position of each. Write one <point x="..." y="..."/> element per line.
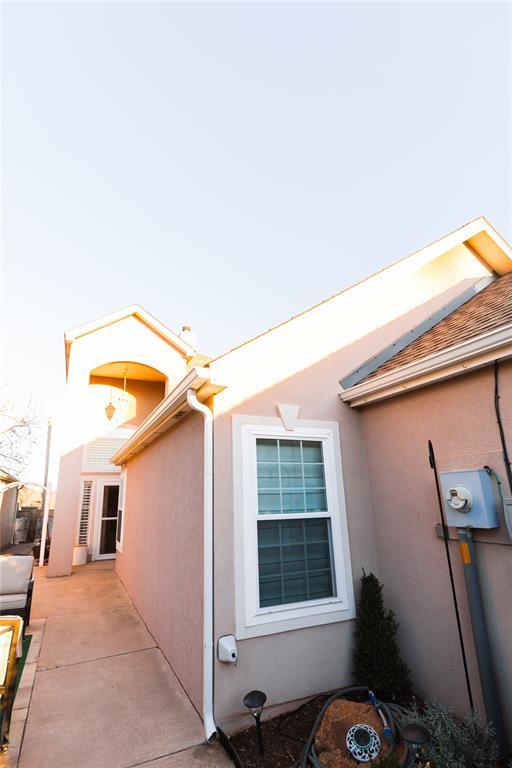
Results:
<point x="255" y="701"/>
<point x="415" y="735"/>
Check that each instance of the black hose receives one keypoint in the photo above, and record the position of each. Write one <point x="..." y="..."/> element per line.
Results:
<point x="432" y="461"/>
<point x="497" y="409"/>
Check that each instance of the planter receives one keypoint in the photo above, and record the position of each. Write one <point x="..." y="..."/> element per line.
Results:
<point x="80" y="554"/>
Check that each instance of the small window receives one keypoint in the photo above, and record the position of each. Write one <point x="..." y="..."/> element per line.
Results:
<point x="292" y="542"/>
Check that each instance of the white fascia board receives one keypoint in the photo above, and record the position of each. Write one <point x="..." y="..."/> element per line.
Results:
<point x="159" y="419"/>
<point x="458" y="359"/>
<point x="134" y="310"/>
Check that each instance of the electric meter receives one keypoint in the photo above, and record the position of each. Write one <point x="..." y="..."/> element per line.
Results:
<point x="470" y="498"/>
<point x="460" y="498"/>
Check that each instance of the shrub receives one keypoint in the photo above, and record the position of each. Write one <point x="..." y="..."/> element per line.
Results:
<point x="456" y="744"/>
<point x="377" y="661"/>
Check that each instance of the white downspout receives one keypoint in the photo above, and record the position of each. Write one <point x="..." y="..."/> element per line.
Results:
<point x="208" y="660"/>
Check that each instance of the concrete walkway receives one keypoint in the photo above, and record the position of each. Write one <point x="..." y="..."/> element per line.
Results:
<point x="104" y="695"/>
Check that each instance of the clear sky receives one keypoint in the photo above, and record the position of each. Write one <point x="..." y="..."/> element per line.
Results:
<point x="227" y="165"/>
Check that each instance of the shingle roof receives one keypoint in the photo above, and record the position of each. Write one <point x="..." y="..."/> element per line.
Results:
<point x="488" y="310"/>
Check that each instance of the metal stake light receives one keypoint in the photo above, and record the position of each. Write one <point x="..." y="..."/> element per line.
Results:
<point x="255" y="701"/>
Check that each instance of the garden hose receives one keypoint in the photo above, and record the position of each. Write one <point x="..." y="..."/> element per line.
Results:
<point x="390" y="715"/>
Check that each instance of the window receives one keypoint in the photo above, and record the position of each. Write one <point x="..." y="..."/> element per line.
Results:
<point x="293" y="565"/>
<point x="120" y="511"/>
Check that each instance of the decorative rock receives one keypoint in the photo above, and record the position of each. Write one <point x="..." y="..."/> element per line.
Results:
<point x="330" y="742"/>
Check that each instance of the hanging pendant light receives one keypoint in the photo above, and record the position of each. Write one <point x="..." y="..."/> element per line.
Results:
<point x="110" y="408"/>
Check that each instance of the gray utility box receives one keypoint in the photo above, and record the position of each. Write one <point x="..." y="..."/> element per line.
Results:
<point x="470" y="498"/>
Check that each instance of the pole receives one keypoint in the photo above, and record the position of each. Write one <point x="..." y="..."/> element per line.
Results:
<point x="481" y="636"/>
<point x="432" y="461"/>
<point x="46" y="495"/>
<point x="47" y="461"/>
<point x="44" y="529"/>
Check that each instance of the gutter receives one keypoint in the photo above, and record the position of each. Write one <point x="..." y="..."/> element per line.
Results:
<point x="210" y="727"/>
<point x="473" y="353"/>
<point x="170" y="410"/>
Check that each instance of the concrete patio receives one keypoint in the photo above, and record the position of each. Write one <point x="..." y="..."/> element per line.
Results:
<point x="103" y="694"/>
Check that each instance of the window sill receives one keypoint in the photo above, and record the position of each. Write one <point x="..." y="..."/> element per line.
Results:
<point x="283" y="624"/>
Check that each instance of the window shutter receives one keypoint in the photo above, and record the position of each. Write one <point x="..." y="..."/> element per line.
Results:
<point x="99" y="452"/>
<point x="85" y="508"/>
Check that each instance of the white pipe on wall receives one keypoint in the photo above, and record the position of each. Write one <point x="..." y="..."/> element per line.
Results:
<point x="208" y="658"/>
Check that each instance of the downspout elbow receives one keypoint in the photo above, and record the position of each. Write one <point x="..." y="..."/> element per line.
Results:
<point x="208" y="658"/>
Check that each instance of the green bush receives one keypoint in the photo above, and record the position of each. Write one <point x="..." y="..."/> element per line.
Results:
<point x="377" y="661"/>
<point x="455" y="744"/>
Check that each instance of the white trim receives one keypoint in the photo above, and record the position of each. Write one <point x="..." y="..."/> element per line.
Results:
<point x="98" y="488"/>
<point x="251" y="621"/>
<point x="122" y="508"/>
<point x="457" y="359"/>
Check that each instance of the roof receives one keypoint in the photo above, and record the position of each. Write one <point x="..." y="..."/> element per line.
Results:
<point x="486" y="311"/>
<point x="134" y="310"/>
<point x="478" y="235"/>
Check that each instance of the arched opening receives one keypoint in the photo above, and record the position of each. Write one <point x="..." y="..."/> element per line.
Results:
<point x="130" y="390"/>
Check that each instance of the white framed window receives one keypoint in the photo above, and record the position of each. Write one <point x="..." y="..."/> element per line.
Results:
<point x="292" y="551"/>
<point x="121" y="511"/>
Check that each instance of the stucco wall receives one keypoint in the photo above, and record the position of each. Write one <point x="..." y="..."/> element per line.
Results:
<point x="297" y="364"/>
<point x="161" y="564"/>
<point x="458" y="416"/>
<point x="67" y="502"/>
<point x="298" y="663"/>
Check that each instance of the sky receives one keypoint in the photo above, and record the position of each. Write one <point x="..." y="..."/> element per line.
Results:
<point x="227" y="165"/>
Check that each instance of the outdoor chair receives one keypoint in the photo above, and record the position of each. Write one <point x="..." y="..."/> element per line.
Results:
<point x="16" y="586"/>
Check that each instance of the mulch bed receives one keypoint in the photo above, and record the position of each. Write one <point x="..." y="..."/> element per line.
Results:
<point x="283" y="738"/>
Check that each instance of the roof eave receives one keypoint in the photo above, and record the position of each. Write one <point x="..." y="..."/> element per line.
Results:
<point x="460" y="358"/>
<point x="170" y="410"/>
<point x="134" y="310"/>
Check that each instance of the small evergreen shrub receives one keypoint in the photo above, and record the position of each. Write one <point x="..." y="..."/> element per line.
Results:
<point x="377" y="661"/>
<point x="455" y="743"/>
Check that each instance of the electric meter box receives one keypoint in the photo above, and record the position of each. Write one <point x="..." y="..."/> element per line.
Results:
<point x="470" y="498"/>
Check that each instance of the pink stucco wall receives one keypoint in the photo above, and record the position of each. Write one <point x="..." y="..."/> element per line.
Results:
<point x="458" y="416"/>
<point x="67" y="501"/>
<point x="161" y="565"/>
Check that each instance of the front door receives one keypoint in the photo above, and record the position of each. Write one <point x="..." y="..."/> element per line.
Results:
<point x="106" y="520"/>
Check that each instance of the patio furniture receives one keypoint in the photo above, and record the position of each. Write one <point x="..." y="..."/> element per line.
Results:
<point x="16" y="586"/>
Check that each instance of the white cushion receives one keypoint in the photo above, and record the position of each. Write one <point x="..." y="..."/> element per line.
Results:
<point x="18" y="600"/>
<point x="15" y="573"/>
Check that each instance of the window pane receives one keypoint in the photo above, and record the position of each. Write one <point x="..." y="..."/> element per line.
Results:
<point x="266" y="450"/>
<point x="314" y="475"/>
<point x="295" y="561"/>
<point x="312" y="451"/>
<point x="268" y="475"/>
<point x="269" y="503"/>
<point x="291" y="478"/>
<point x="316" y="502"/>
<point x="289" y="450"/>
<point x="293" y="502"/>
<point x="291" y="475"/>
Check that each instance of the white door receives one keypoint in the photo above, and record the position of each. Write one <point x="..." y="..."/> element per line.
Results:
<point x="107" y="505"/>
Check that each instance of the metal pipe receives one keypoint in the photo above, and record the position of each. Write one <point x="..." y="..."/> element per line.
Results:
<point x="481" y="636"/>
<point x="208" y="657"/>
